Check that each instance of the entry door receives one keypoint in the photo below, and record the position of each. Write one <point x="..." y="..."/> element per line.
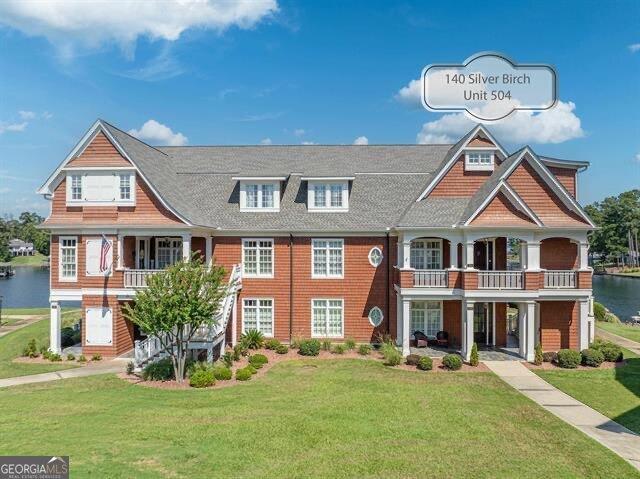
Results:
<point x="143" y="253"/>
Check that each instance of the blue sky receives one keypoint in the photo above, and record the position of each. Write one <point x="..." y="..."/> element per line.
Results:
<point x="294" y="72"/>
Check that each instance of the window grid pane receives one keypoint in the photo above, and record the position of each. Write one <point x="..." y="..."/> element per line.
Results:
<point x="252" y="196"/>
<point x="76" y="187"/>
<point x="320" y="196"/>
<point x="125" y="187"/>
<point x="68" y="258"/>
<point x="336" y="196"/>
<point x="327" y="258"/>
<point x="327" y="318"/>
<point x="267" y="196"/>
<point x="258" y="257"/>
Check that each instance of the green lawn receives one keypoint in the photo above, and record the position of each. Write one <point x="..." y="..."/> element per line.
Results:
<point x="12" y="344"/>
<point x="25" y="311"/>
<point x="35" y="260"/>
<point x="343" y="418"/>
<point x="624" y="330"/>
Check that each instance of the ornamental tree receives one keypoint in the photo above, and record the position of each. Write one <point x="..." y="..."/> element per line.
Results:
<point x="176" y="303"/>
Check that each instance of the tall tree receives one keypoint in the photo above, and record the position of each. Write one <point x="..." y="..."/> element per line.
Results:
<point x="176" y="303"/>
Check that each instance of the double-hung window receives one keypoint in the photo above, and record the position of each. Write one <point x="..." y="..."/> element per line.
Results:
<point x="327" y="258"/>
<point x="267" y="195"/>
<point x="320" y="195"/>
<point x="479" y="160"/>
<point x="257" y="314"/>
<point x="252" y="196"/>
<point x="260" y="195"/>
<point x="327" y="318"/>
<point x="125" y="186"/>
<point x="168" y="252"/>
<point x="336" y="196"/>
<point x="257" y="257"/>
<point x="426" y="316"/>
<point x="68" y="258"/>
<point x="76" y="187"/>
<point x="328" y="196"/>
<point x="426" y="254"/>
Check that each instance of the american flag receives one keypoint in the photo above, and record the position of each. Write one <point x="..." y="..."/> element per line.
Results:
<point x="105" y="266"/>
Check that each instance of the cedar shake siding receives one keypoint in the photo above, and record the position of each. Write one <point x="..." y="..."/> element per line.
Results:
<point x="567" y="177"/>
<point x="100" y="152"/>
<point x="458" y="182"/>
<point x="559" y="325"/>
<point x="501" y="211"/>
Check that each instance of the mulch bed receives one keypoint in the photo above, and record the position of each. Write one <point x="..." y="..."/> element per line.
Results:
<point x="41" y="360"/>
<point x="275" y="358"/>
<point x="553" y="366"/>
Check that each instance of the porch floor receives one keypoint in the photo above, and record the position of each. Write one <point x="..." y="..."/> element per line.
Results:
<point x="485" y="354"/>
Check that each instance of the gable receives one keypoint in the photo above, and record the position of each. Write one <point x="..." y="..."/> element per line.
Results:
<point x="501" y="211"/>
<point x="458" y="182"/>
<point x="566" y="177"/>
<point x="479" y="142"/>
<point x="542" y="200"/>
<point x="99" y="152"/>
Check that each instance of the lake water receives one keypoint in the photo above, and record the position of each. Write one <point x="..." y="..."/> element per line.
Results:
<point x="29" y="287"/>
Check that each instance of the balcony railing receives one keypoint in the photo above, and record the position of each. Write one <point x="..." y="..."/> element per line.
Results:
<point x="137" y="278"/>
<point x="430" y="278"/>
<point x="559" y="279"/>
<point x="500" y="280"/>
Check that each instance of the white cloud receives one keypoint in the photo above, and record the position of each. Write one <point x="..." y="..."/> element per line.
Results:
<point x="308" y="143"/>
<point x="298" y="132"/>
<point x="638" y="157"/>
<point x="26" y="115"/>
<point x="161" y="67"/>
<point x="361" y="140"/>
<point x="13" y="126"/>
<point x="411" y="94"/>
<point x="94" y="23"/>
<point x="4" y="190"/>
<point x="634" y="47"/>
<point x="266" y="141"/>
<point x="46" y="115"/>
<point x="159" y="134"/>
<point x="551" y="126"/>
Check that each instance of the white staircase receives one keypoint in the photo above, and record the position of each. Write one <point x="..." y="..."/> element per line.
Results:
<point x="207" y="337"/>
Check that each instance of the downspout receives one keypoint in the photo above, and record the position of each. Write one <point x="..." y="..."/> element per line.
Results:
<point x="290" y="287"/>
<point x="388" y="284"/>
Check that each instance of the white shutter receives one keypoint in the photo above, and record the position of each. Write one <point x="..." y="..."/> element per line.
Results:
<point x="100" y="187"/>
<point x="99" y="325"/>
<point x="94" y="247"/>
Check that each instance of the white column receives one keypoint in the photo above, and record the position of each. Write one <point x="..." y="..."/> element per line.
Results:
<point x="536" y="328"/>
<point x="469" y="254"/>
<point x="526" y="329"/>
<point x="522" y="330"/>
<point x="453" y="254"/>
<point x="398" y="320"/>
<point x="467" y="329"/>
<point x="55" y="326"/>
<point x="583" y="325"/>
<point x="533" y="255"/>
<point x="234" y="322"/>
<point x="493" y="324"/>
<point x="186" y="247"/>
<point x="406" y="323"/>
<point x="208" y="250"/>
<point x="592" y="324"/>
<point x="120" y="251"/>
<point x="583" y="255"/>
<point x="406" y="254"/>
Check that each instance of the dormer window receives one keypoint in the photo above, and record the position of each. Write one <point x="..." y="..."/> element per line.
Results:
<point x="328" y="194"/>
<point x="98" y="187"/>
<point x="260" y="194"/>
<point x="479" y="160"/>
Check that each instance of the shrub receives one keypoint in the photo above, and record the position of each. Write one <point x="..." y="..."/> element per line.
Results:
<point x="130" y="367"/>
<point x="77" y="337"/>
<point x="295" y="343"/>
<point x="227" y="359"/>
<point x="538" y="357"/>
<point x="82" y="358"/>
<point x="30" y="349"/>
<point x="474" y="359"/>
<point x="161" y="370"/>
<point x="425" y="363"/>
<point x="339" y="349"/>
<point x="392" y="357"/>
<point x="611" y="351"/>
<point x="309" y="347"/>
<point x="282" y="349"/>
<point x="258" y="360"/>
<point x="252" y="339"/>
<point x="550" y="357"/>
<point x="96" y="357"/>
<point x="239" y="350"/>
<point x="66" y="337"/>
<point x="71" y="357"/>
<point x="44" y="351"/>
<point x="350" y="344"/>
<point x="252" y="368"/>
<point x="592" y="357"/>
<point x="326" y="345"/>
<point x="222" y="373"/>
<point x="243" y="374"/>
<point x="599" y="311"/>
<point x="272" y="343"/>
<point x="202" y="378"/>
<point x="364" y="349"/>
<point x="413" y="359"/>
<point x="452" y="362"/>
<point x="569" y="359"/>
<point x="54" y="357"/>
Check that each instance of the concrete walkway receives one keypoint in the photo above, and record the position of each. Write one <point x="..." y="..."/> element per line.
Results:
<point x="112" y="366"/>
<point x="609" y="433"/>
<point x="624" y="342"/>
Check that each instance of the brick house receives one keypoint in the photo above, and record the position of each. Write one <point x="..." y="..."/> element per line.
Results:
<point x="328" y="241"/>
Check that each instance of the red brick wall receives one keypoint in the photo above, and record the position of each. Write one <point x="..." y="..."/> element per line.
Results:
<point x="559" y="325"/>
<point x="122" y="328"/>
<point x="558" y="253"/>
<point x="452" y="320"/>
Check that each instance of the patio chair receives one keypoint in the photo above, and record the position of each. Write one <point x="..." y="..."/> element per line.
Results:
<point x="422" y="341"/>
<point x="442" y="338"/>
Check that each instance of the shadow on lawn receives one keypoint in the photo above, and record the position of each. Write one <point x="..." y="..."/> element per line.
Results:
<point x="629" y="376"/>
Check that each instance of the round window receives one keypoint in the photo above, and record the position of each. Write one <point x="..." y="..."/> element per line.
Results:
<point x="376" y="316"/>
<point x="375" y="256"/>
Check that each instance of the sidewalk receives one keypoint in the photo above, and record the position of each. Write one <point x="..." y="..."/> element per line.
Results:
<point x="112" y="366"/>
<point x="624" y="342"/>
<point x="610" y="434"/>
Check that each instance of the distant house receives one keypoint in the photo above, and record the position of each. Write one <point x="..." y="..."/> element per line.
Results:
<point x="17" y="247"/>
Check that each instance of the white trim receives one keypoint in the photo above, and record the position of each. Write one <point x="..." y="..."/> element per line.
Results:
<point x="74" y="169"/>
<point x="273" y="259"/>
<point x="425" y="309"/>
<point x="327" y="208"/>
<point x="468" y="166"/>
<point x="259" y="184"/>
<point x="60" y="246"/>
<point x="327" y="317"/>
<point x="512" y="196"/>
<point x="258" y="322"/>
<point x="375" y="308"/>
<point x="259" y="178"/>
<point x="327" y="178"/>
<point x="86" y="258"/>
<point x="327" y="275"/>
<point x="424" y="240"/>
<point x="381" y="256"/>
<point x="443" y="171"/>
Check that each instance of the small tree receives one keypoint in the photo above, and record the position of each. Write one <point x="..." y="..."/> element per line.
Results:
<point x="176" y="303"/>
<point x="474" y="359"/>
<point x="538" y="358"/>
